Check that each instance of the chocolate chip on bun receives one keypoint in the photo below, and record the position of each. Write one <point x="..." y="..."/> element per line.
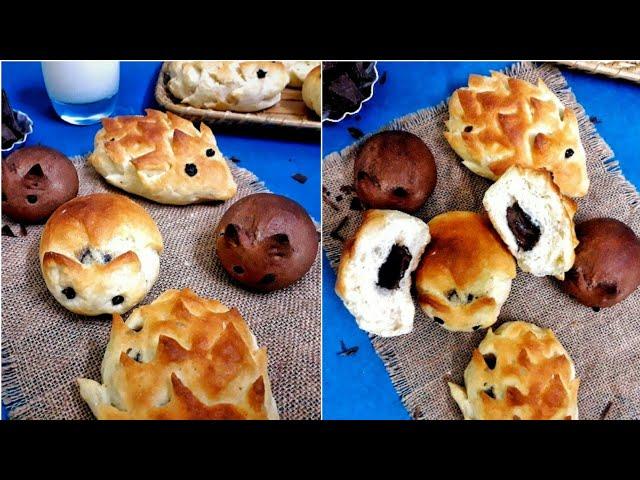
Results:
<point x="394" y="170"/>
<point x="36" y="181"/>
<point x="607" y="265"/>
<point x="266" y="241"/>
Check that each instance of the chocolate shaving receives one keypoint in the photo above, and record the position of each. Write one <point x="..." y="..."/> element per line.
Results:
<point x="605" y="412"/>
<point x="347" y="189"/>
<point x="356" y="204"/>
<point x="7" y="232"/>
<point x="356" y="132"/>
<point x="339" y="198"/>
<point x="300" y="178"/>
<point x="335" y="233"/>
<point x="347" y="351"/>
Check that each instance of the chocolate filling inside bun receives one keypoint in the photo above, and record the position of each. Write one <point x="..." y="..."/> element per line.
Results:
<point x="394" y="267"/>
<point x="526" y="232"/>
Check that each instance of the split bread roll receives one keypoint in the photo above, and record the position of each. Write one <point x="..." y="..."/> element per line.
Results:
<point x="534" y="220"/>
<point x="181" y="357"/>
<point x="519" y="372"/>
<point x="374" y="277"/>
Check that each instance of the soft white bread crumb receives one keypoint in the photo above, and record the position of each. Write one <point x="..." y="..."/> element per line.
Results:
<point x="382" y="311"/>
<point x="537" y="195"/>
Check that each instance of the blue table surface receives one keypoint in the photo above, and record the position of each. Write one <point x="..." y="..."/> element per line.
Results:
<point x="358" y="387"/>
<point x="273" y="160"/>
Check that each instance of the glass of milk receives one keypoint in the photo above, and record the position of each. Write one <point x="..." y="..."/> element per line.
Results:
<point x="82" y="92"/>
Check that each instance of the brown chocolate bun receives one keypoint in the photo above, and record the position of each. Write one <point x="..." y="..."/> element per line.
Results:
<point x="36" y="181"/>
<point x="394" y="170"/>
<point x="266" y="241"/>
<point x="607" y="265"/>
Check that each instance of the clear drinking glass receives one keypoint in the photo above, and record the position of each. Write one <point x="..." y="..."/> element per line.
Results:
<point x="82" y="92"/>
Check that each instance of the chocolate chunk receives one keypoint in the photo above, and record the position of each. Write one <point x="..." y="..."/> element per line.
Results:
<point x="525" y="231"/>
<point x="470" y="298"/>
<point x="439" y="320"/>
<point x="69" y="292"/>
<point x="568" y="153"/>
<point x="7" y="232"/>
<point x="356" y="204"/>
<point x="394" y="267"/>
<point x="261" y="73"/>
<point x="355" y="132"/>
<point x="339" y="198"/>
<point x="210" y="152"/>
<point x="190" y="169"/>
<point x="595" y="309"/>
<point x="300" y="178"/>
<point x="490" y="392"/>
<point x="117" y="300"/>
<point x="106" y="258"/>
<point x="347" y="189"/>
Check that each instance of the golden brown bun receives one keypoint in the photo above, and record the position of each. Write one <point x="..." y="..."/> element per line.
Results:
<point x="499" y="121"/>
<point x="465" y="274"/>
<point x="162" y="157"/>
<point x="181" y="357"/>
<point x="99" y="247"/>
<point x="520" y="372"/>
<point x="312" y="91"/>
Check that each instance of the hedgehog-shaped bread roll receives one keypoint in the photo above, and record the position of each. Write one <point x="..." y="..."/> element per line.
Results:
<point x="181" y="357"/>
<point x="162" y="157"/>
<point x="499" y="121"/>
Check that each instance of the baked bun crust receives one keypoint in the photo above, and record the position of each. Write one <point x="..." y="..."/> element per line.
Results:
<point x="181" y="357"/>
<point x="374" y="277"/>
<point x="99" y="254"/>
<point x="534" y="220"/>
<point x="519" y="372"/>
<point x="607" y="265"/>
<point x="299" y="70"/>
<point x="499" y="121"/>
<point x="312" y="91"/>
<point x="394" y="170"/>
<point x="228" y="85"/>
<point x="162" y="157"/>
<point x="465" y="273"/>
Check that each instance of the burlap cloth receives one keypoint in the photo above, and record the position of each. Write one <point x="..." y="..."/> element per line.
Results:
<point x="45" y="347"/>
<point x="605" y="346"/>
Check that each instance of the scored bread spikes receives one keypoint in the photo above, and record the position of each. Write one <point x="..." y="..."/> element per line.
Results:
<point x="519" y="372"/>
<point x="500" y="121"/>
<point x="181" y="357"/>
<point x="162" y="157"/>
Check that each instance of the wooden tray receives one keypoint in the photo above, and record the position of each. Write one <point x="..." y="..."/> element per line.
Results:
<point x="289" y="112"/>
<point x="626" y="70"/>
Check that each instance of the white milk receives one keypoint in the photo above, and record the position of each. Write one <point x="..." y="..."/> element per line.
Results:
<point x="78" y="82"/>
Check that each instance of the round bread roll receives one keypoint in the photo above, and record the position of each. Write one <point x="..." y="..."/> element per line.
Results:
<point x="266" y="241"/>
<point x="394" y="170"/>
<point x="36" y="181"/>
<point x="228" y="85"/>
<point x="534" y="220"/>
<point x="162" y="157"/>
<point x="312" y="91"/>
<point x="607" y="265"/>
<point x="99" y="254"/>
<point x="181" y="357"/>
<point x="298" y="70"/>
<point x="465" y="273"/>
<point x="519" y="372"/>
<point x="374" y="277"/>
<point x="500" y="121"/>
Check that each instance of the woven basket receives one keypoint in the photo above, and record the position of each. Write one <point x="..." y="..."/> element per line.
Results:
<point x="290" y="111"/>
<point x="624" y="69"/>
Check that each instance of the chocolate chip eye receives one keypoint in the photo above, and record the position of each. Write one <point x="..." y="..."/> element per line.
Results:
<point x="69" y="292"/>
<point x="470" y="298"/>
<point x="238" y="269"/>
<point x="568" y="153"/>
<point x="117" y="300"/>
<point x="400" y="192"/>
<point x="451" y="294"/>
<point x="281" y="238"/>
<point x="439" y="320"/>
<point x="210" y="152"/>
<point x="261" y="73"/>
<point x="267" y="279"/>
<point x="490" y="392"/>
<point x="32" y="198"/>
<point x="490" y="360"/>
<point x="231" y="235"/>
<point x="106" y="258"/>
<point x="468" y="128"/>
<point x="475" y="327"/>
<point x="190" y="169"/>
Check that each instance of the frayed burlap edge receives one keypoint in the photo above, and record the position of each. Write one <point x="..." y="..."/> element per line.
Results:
<point x="554" y="79"/>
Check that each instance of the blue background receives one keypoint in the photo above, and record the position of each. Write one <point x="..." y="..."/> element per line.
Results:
<point x="274" y="156"/>
<point x="358" y="387"/>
